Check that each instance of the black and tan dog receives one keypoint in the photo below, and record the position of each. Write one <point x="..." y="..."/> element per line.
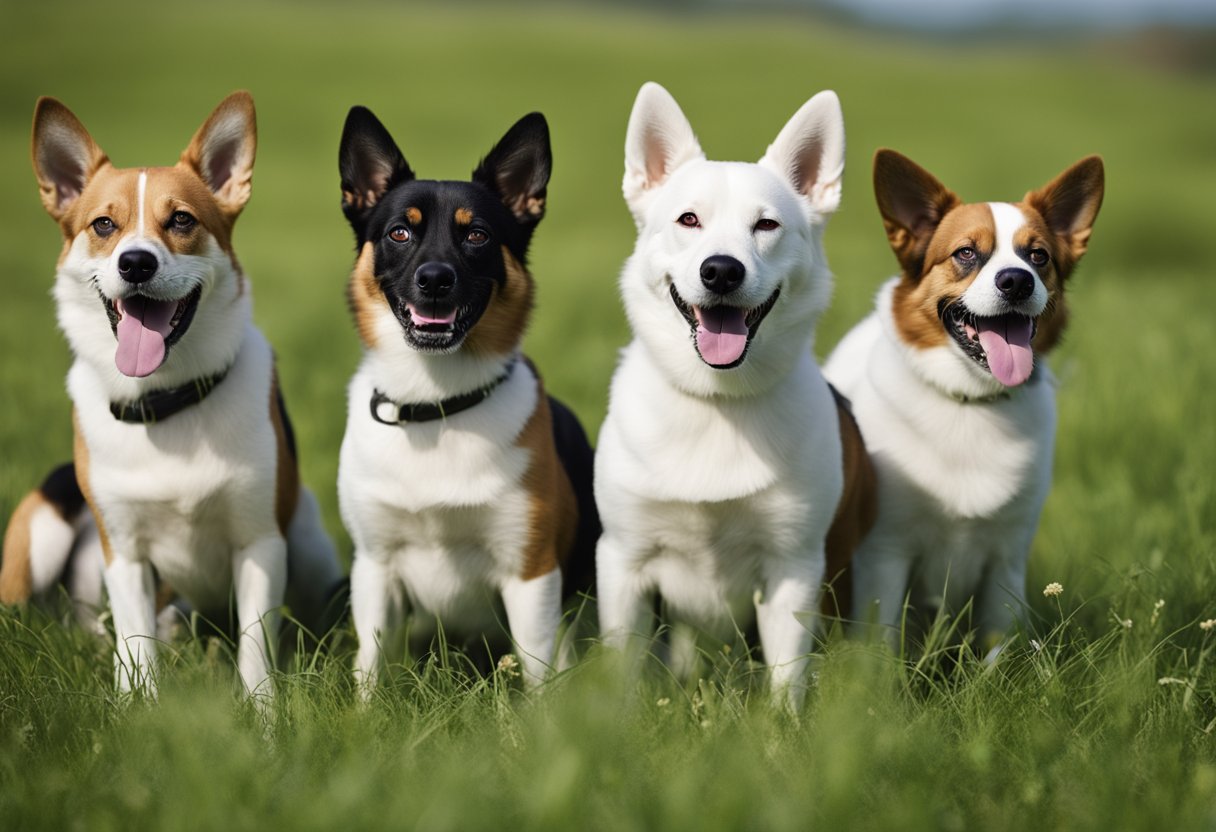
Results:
<point x="466" y="490"/>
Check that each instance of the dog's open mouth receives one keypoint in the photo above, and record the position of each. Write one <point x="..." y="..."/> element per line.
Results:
<point x="1000" y="343"/>
<point x="722" y="333"/>
<point x="434" y="329"/>
<point x="146" y="328"/>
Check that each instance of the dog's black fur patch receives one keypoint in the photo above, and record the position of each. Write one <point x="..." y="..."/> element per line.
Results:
<point x="578" y="459"/>
<point x="62" y="491"/>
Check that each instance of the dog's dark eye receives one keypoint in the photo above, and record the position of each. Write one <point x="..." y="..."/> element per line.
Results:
<point x="767" y="225"/>
<point x="1038" y="257"/>
<point x="181" y="221"/>
<point x="689" y="220"/>
<point x="399" y="234"/>
<point x="966" y="254"/>
<point x="477" y="237"/>
<point x="103" y="226"/>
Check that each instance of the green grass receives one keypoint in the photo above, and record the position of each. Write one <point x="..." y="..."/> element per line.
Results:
<point x="1079" y="734"/>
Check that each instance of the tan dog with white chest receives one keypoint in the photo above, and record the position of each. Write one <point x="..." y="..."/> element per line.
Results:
<point x="183" y="450"/>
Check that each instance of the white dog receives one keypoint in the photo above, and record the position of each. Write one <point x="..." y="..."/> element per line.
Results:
<point x="958" y="414"/>
<point x="725" y="455"/>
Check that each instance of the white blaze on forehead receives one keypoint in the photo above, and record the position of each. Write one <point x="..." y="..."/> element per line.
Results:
<point x="142" y="190"/>
<point x="982" y="297"/>
<point x="1009" y="220"/>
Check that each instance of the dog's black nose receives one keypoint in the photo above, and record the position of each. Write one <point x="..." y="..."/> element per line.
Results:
<point x="722" y="274"/>
<point x="137" y="265"/>
<point x="1015" y="284"/>
<point x="435" y="280"/>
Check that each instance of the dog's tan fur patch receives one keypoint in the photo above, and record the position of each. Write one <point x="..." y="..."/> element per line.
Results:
<point x="553" y="508"/>
<point x="502" y="325"/>
<point x="80" y="456"/>
<point x="287" y="472"/>
<point x="855" y="515"/>
<point x="16" y="580"/>
<point x="364" y="297"/>
<point x="916" y="296"/>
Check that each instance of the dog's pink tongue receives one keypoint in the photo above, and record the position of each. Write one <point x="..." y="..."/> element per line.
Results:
<point x="721" y="334"/>
<point x="420" y="318"/>
<point x="141" y="335"/>
<point x="1006" y="343"/>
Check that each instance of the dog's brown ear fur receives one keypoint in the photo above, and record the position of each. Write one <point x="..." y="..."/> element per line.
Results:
<point x="1070" y="202"/>
<point x="223" y="150"/>
<point x="912" y="203"/>
<point x="64" y="154"/>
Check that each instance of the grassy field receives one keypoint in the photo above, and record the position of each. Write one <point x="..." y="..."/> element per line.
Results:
<point x="1107" y="724"/>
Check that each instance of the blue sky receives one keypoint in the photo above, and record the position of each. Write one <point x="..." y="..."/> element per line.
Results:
<point x="1097" y="13"/>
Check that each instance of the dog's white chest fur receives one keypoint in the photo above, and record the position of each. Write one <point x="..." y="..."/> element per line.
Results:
<point x="186" y="492"/>
<point x="440" y="503"/>
<point x="713" y="489"/>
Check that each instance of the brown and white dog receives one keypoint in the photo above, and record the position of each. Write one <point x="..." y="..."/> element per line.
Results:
<point x="948" y="384"/>
<point x="183" y="451"/>
<point x="466" y="490"/>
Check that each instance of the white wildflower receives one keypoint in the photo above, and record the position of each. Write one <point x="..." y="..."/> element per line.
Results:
<point x="508" y="665"/>
<point x="1208" y="624"/>
<point x="1127" y="623"/>
<point x="1053" y="589"/>
<point x="663" y="702"/>
<point x="1157" y="610"/>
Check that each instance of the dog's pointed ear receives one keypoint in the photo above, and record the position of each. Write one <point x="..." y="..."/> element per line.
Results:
<point x="912" y="203"/>
<point x="809" y="152"/>
<point x="518" y="169"/>
<point x="1070" y="202"/>
<point x="659" y="140"/>
<point x="223" y="149"/>
<point x="370" y="164"/>
<point x="65" y="156"/>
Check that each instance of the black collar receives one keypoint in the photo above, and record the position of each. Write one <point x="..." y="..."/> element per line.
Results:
<point x="161" y="404"/>
<point x="388" y="412"/>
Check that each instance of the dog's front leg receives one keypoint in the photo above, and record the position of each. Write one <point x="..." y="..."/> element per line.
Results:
<point x="534" y="609"/>
<point x="882" y="567"/>
<point x="133" y="605"/>
<point x="259" y="573"/>
<point x="790" y="589"/>
<point x="1001" y="600"/>
<point x="372" y="588"/>
<point x="624" y="611"/>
